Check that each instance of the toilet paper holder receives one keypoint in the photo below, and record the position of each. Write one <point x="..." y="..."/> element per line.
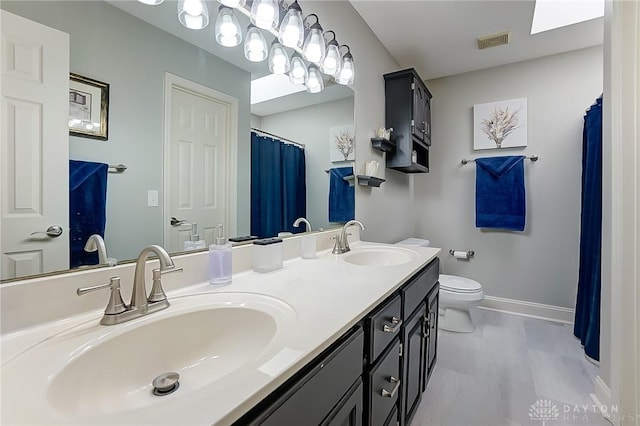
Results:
<point x="460" y="254"/>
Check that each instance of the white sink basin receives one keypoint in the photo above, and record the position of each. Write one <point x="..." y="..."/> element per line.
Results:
<point x="93" y="370"/>
<point x="380" y="256"/>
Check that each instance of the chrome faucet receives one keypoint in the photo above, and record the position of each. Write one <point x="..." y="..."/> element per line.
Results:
<point x="302" y="220"/>
<point x="95" y="242"/>
<point x="342" y="243"/>
<point x="117" y="311"/>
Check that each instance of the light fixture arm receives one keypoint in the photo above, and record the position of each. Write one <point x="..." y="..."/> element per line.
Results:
<point x="307" y="25"/>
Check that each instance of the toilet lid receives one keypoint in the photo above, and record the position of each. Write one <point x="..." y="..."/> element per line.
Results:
<point x="459" y="284"/>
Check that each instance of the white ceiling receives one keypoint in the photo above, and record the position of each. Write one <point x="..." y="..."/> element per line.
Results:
<point x="438" y="38"/>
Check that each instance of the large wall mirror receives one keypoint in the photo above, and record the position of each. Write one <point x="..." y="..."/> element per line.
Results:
<point x="142" y="52"/>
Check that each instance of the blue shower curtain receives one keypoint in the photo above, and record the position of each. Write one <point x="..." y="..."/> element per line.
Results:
<point x="278" y="186"/>
<point x="587" y="319"/>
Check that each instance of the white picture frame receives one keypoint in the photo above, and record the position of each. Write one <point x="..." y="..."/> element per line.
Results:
<point x="501" y="124"/>
<point x="342" y="143"/>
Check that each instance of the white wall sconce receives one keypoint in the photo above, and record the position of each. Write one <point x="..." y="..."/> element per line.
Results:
<point x="227" y="28"/>
<point x="255" y="46"/>
<point x="193" y="14"/>
<point x="279" y="62"/>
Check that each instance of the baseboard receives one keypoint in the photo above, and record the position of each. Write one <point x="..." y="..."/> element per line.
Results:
<point x="528" y="309"/>
<point x="601" y="397"/>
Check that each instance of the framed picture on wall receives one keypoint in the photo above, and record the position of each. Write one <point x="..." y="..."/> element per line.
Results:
<point x="500" y="124"/>
<point x="88" y="107"/>
<point x="342" y="143"/>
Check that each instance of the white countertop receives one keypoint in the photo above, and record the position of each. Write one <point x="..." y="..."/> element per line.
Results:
<point x="328" y="296"/>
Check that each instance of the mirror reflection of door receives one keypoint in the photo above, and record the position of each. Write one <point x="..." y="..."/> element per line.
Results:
<point x="35" y="146"/>
<point x="197" y="157"/>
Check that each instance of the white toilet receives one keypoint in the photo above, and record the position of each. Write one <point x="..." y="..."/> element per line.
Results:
<point x="457" y="296"/>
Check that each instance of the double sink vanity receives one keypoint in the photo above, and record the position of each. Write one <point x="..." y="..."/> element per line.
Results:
<point x="340" y="339"/>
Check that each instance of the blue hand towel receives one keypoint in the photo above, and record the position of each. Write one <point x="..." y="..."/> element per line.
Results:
<point x="87" y="208"/>
<point x="342" y="197"/>
<point x="500" y="195"/>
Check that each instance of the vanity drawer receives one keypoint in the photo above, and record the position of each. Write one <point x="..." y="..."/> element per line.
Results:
<point x="383" y="387"/>
<point x="414" y="292"/>
<point x="384" y="325"/>
<point x="309" y="398"/>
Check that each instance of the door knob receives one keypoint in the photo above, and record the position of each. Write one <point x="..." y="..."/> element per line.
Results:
<point x="53" y="231"/>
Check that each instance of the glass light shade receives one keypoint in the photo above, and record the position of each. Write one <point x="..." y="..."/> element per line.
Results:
<point x="193" y="14"/>
<point x="255" y="46"/>
<point x="291" y="32"/>
<point x="151" y="2"/>
<point x="227" y="28"/>
<point x="298" y="73"/>
<point x="332" y="63"/>
<point x="348" y="72"/>
<point x="314" y="82"/>
<point x="265" y="14"/>
<point x="232" y="3"/>
<point x="278" y="59"/>
<point x="313" y="47"/>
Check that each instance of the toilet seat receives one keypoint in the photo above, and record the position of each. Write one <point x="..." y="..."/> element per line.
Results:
<point x="455" y="284"/>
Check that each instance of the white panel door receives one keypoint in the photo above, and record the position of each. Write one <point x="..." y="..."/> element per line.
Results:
<point x="197" y="161"/>
<point x="34" y="165"/>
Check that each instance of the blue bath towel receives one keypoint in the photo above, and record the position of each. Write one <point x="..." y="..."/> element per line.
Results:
<point x="342" y="197"/>
<point x="500" y="195"/>
<point x="87" y="208"/>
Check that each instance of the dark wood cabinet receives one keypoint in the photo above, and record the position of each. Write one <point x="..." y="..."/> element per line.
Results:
<point x="373" y="375"/>
<point x="408" y="112"/>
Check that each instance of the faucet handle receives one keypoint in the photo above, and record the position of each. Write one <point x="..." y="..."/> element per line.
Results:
<point x="116" y="304"/>
<point x="157" y="292"/>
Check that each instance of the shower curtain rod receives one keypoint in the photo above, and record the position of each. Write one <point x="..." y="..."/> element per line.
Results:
<point x="465" y="161"/>
<point x="253" y="129"/>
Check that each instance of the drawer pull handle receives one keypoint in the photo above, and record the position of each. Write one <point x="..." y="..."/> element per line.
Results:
<point x="396" y="385"/>
<point x="392" y="328"/>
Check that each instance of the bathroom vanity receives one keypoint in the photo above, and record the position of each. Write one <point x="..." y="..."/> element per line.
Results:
<point x="340" y="339"/>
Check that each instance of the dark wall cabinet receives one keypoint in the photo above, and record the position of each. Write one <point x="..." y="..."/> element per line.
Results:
<point x="374" y="375"/>
<point x="408" y="112"/>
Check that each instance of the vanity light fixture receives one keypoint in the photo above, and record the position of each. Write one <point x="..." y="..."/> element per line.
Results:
<point x="227" y="28"/>
<point x="347" y="72"/>
<point x="291" y="33"/>
<point x="234" y="4"/>
<point x="265" y="14"/>
<point x="193" y="14"/>
<point x="255" y="46"/>
<point x="313" y="47"/>
<point x="278" y="59"/>
<point x="332" y="62"/>
<point x="298" y="73"/>
<point x="314" y="82"/>
<point x="151" y="2"/>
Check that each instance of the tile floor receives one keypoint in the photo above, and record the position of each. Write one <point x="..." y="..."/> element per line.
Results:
<point x="494" y="375"/>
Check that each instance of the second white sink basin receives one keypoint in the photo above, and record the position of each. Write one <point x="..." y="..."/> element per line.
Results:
<point x="380" y="256"/>
<point x="97" y="370"/>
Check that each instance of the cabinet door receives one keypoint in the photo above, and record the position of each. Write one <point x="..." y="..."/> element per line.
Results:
<point x="349" y="411"/>
<point x="420" y="97"/>
<point x="431" y="334"/>
<point x="427" y="120"/>
<point x="413" y="364"/>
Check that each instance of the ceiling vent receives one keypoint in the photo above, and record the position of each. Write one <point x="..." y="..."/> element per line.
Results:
<point x="493" y="40"/>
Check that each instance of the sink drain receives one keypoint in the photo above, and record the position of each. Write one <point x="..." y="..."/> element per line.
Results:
<point x="166" y="383"/>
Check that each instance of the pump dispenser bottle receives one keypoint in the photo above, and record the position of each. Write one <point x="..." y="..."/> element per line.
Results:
<point x="220" y="259"/>
<point x="194" y="242"/>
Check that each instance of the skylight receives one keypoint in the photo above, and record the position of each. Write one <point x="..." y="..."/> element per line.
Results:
<point x="552" y="14"/>
<point x="272" y="86"/>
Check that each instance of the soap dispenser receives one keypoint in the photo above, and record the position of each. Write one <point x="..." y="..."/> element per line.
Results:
<point x="308" y="245"/>
<point x="220" y="259"/>
<point x="194" y="242"/>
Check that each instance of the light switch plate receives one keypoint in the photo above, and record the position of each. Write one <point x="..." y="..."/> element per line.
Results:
<point x="152" y="198"/>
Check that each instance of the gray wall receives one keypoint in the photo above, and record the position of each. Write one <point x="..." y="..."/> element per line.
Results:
<point x="132" y="56"/>
<point x="388" y="211"/>
<point x="541" y="263"/>
<point x="310" y="126"/>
